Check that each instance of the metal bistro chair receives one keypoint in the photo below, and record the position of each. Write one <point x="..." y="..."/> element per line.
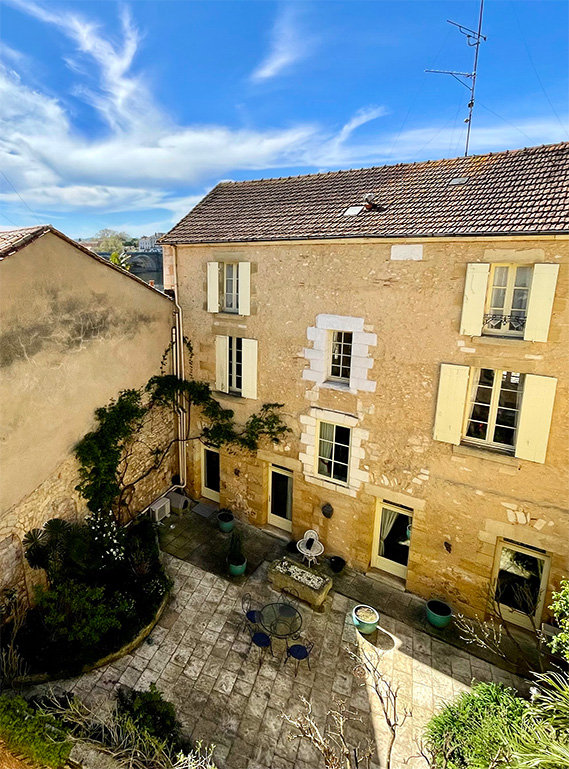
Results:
<point x="310" y="547"/>
<point x="250" y="616"/>
<point x="299" y="652"/>
<point x="262" y="641"/>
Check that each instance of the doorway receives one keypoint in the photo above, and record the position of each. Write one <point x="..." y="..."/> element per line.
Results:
<point x="392" y="538"/>
<point x="210" y="474"/>
<point x="280" y="497"/>
<point x="519" y="582"/>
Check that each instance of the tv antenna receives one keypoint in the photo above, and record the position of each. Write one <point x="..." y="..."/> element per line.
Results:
<point x="473" y="39"/>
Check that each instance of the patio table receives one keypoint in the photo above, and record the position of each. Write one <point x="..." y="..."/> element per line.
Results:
<point x="281" y="620"/>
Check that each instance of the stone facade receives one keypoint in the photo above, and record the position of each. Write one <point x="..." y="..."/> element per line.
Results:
<point x="74" y="333"/>
<point x="464" y="501"/>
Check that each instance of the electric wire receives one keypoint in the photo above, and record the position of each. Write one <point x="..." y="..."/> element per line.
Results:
<point x="8" y="218"/>
<point x="519" y="130"/>
<point x="561" y="123"/>
<point x="21" y="198"/>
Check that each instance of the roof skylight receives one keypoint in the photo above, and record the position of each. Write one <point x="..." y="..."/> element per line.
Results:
<point x="353" y="210"/>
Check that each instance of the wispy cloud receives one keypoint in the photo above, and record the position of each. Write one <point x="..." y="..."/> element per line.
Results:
<point x="288" y="46"/>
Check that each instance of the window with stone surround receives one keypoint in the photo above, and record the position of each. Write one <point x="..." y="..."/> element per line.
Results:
<point x="333" y="452"/>
<point x="493" y="412"/>
<point x="340" y="354"/>
<point x="229" y="287"/>
<point x="236" y="366"/>
<point x="507" y="302"/>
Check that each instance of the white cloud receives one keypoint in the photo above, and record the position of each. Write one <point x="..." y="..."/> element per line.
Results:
<point x="287" y="46"/>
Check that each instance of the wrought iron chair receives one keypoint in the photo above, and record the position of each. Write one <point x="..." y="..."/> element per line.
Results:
<point x="263" y="642"/>
<point x="299" y="652"/>
<point x="310" y="547"/>
<point x="251" y="617"/>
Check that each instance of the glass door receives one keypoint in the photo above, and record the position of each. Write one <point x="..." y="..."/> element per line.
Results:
<point x="392" y="539"/>
<point x="280" y="497"/>
<point x="210" y="474"/>
<point x="520" y="582"/>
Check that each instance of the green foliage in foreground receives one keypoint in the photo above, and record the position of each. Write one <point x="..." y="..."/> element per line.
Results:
<point x="36" y="736"/>
<point x="469" y="732"/>
<point x="560" y="608"/>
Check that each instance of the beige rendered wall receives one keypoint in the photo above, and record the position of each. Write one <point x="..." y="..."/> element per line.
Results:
<point x="466" y="500"/>
<point x="73" y="333"/>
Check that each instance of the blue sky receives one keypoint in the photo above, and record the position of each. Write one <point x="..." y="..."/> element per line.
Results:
<point x="123" y="115"/>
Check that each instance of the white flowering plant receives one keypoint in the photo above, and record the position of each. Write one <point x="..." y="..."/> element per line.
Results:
<point x="107" y="536"/>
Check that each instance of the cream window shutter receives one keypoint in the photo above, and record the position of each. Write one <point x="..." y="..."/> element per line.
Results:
<point x="244" y="272"/>
<point x="535" y="417"/>
<point x="249" y="377"/>
<point x="213" y="286"/>
<point x="474" y="301"/>
<point x="451" y="402"/>
<point x="540" y="303"/>
<point x="222" y="363"/>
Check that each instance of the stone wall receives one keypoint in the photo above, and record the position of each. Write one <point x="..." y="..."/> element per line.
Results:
<point x="463" y="500"/>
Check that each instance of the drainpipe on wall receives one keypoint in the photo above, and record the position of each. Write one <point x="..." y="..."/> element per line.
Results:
<point x="178" y="366"/>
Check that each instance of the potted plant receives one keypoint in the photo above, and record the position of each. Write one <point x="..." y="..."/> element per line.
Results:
<point x="439" y="613"/>
<point x="225" y="520"/>
<point x="236" y="560"/>
<point x="365" y="618"/>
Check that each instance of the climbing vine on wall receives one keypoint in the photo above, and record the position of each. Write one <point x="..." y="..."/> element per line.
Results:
<point x="101" y="451"/>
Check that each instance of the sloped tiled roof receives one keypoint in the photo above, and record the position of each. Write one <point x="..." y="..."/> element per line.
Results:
<point x="12" y="241"/>
<point x="523" y="191"/>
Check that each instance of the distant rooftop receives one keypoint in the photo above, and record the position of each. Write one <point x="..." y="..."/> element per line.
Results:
<point x="524" y="192"/>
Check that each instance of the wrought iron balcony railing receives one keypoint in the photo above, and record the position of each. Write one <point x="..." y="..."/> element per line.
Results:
<point x="495" y="322"/>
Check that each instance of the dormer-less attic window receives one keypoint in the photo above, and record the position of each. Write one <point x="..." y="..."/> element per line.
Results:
<point x="458" y="180"/>
<point x="353" y="210"/>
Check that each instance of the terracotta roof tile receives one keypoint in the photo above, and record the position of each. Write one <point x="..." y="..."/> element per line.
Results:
<point x="522" y="191"/>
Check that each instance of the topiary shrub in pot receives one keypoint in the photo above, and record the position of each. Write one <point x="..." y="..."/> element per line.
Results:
<point x="236" y="559"/>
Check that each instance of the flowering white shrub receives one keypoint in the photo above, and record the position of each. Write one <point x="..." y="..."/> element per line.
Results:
<point x="108" y="536"/>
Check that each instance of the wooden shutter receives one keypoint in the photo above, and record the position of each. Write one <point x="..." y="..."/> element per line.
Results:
<point x="222" y="363"/>
<point x="540" y="304"/>
<point x="249" y="359"/>
<point x="244" y="299"/>
<point x="451" y="401"/>
<point x="213" y="286"/>
<point x="474" y="301"/>
<point x="535" y="417"/>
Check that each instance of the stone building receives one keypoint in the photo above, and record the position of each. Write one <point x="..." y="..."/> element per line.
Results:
<point x="413" y="321"/>
<point x="74" y="331"/>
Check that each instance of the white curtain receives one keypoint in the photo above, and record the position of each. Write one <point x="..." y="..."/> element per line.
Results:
<point x="388" y="518"/>
<point x="325" y="448"/>
<point x="475" y="379"/>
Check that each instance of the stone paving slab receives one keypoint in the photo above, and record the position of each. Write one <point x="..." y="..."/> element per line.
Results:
<point x="227" y="693"/>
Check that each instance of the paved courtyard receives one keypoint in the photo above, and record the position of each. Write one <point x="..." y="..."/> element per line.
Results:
<point x="202" y="661"/>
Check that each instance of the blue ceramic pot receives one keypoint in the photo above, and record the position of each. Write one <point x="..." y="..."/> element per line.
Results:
<point x="225" y="525"/>
<point x="237" y="570"/>
<point x="439" y="613"/>
<point x="365" y="627"/>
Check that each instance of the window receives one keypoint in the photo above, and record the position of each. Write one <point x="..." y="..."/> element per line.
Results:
<point x="334" y="451"/>
<point x="230" y="287"/>
<point x="492" y="415"/>
<point x="341" y="358"/>
<point x="235" y="364"/>
<point x="507" y="302"/>
<point x="519" y="582"/>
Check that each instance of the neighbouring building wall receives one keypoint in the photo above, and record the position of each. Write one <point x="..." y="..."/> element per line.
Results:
<point x="405" y="303"/>
<point x="74" y="333"/>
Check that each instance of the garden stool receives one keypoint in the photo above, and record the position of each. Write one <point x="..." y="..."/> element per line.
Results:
<point x="299" y="652"/>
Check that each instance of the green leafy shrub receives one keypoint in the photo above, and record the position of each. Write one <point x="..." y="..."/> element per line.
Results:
<point x="560" y="608"/>
<point x="37" y="736"/>
<point x="150" y="712"/>
<point x="471" y="732"/>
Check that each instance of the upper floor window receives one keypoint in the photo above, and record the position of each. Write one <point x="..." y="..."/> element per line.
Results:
<point x="334" y="451"/>
<point x="236" y="365"/>
<point x="502" y="410"/>
<point x="229" y="287"/>
<point x="507" y="302"/>
<point x="341" y="358"/>
<point x="492" y="415"/>
<point x="230" y="298"/>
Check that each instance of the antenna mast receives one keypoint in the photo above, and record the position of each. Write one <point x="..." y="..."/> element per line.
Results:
<point x="473" y="39"/>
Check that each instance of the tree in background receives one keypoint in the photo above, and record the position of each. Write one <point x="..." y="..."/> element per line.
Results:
<point x="111" y="240"/>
